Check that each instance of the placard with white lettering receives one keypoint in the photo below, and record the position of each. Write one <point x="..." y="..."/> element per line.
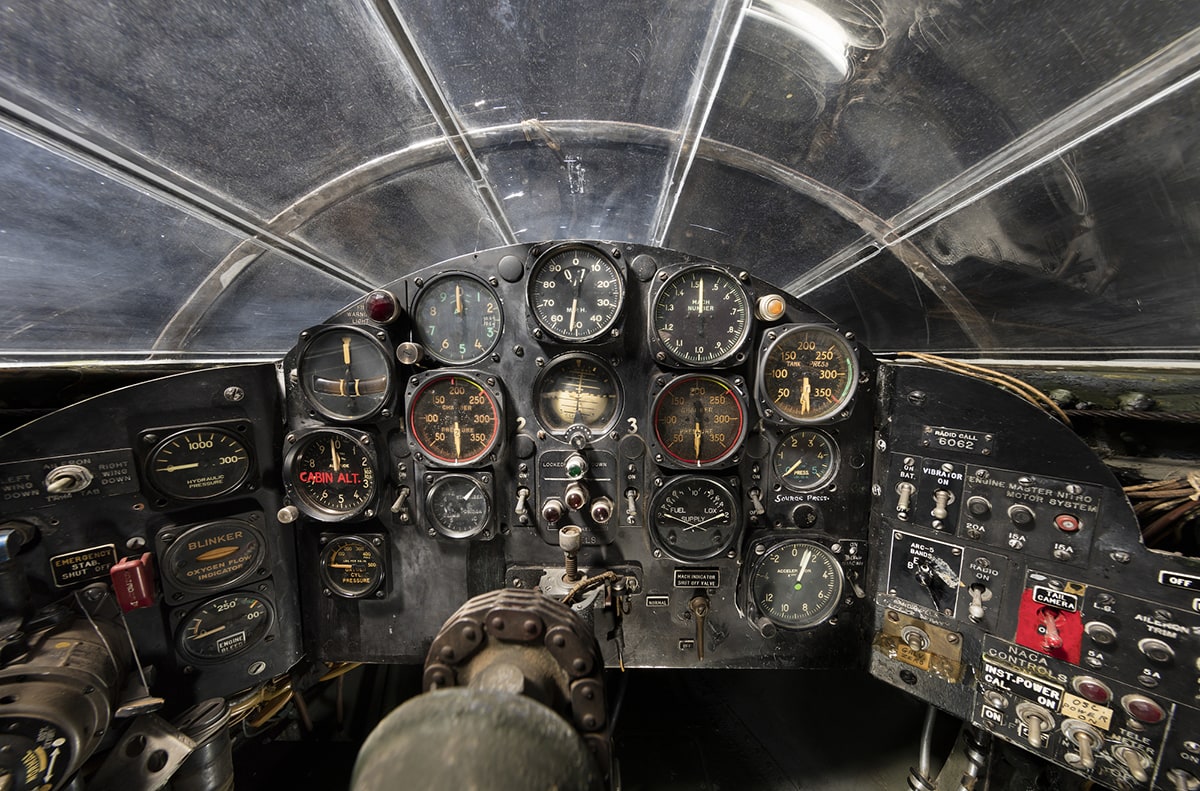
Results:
<point x="1174" y="579"/>
<point x="697" y="578"/>
<point x="1056" y="598"/>
<point x="1048" y="695"/>
<point x="83" y="565"/>
<point x="22" y="483"/>
<point x="960" y="439"/>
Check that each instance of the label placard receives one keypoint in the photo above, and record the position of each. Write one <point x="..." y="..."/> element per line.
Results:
<point x="959" y="439"/>
<point x="1048" y="695"/>
<point x="697" y="578"/>
<point x="921" y="659"/>
<point x="83" y="565"/>
<point x="1089" y="712"/>
<point x="1056" y="598"/>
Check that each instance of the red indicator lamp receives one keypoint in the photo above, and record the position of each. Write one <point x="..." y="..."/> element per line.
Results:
<point x="382" y="307"/>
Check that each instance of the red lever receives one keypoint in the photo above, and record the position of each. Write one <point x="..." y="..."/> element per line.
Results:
<point x="133" y="582"/>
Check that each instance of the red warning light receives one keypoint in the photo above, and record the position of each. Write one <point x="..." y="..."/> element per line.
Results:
<point x="382" y="306"/>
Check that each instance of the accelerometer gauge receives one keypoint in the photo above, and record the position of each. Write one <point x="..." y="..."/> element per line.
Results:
<point x="806" y="373"/>
<point x="224" y="626"/>
<point x="699" y="420"/>
<point x="458" y="506"/>
<point x="351" y="567"/>
<point x="345" y="373"/>
<point x="331" y="475"/>
<point x="797" y="584"/>
<point x="454" y="419"/>
<point x="805" y="459"/>
<point x="701" y="316"/>
<point x="575" y="293"/>
<point x="457" y="318"/>
<point x="214" y="555"/>
<point x="198" y="464"/>
<point x="694" y="517"/>
<point x="577" y="390"/>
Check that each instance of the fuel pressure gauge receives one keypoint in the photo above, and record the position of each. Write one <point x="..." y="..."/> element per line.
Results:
<point x="807" y="373"/>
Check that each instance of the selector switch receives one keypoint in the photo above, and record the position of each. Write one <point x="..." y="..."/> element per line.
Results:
<point x="1100" y="632"/>
<point x="1156" y="650"/>
<point x="1036" y="720"/>
<point x="1021" y="515"/>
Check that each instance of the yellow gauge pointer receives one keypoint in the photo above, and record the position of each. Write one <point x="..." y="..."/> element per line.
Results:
<point x="178" y="467"/>
<point x="346" y="349"/>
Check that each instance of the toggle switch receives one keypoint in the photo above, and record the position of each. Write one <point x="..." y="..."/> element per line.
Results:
<point x="1036" y="720"/>
<point x="941" y="499"/>
<point x="1086" y="739"/>
<point x="906" y="491"/>
<point x="1136" y="761"/>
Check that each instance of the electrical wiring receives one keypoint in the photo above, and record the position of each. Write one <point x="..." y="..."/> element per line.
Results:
<point x="1010" y="383"/>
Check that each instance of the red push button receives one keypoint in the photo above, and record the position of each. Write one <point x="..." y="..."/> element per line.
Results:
<point x="1068" y="523"/>
<point x="1142" y="709"/>
<point x="1094" y="690"/>
<point x="133" y="582"/>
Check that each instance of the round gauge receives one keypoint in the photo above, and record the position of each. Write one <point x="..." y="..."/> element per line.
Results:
<point x="457" y="318"/>
<point x="454" y="419"/>
<point x="694" y="517"/>
<point x="331" y="474"/>
<point x="797" y="584"/>
<point x="576" y="293"/>
<point x="458" y="506"/>
<point x="577" y="390"/>
<point x="699" y="420"/>
<point x="225" y="626"/>
<point x="351" y="567"/>
<point x="214" y="555"/>
<point x="805" y="459"/>
<point x="345" y="373"/>
<point x="198" y="464"/>
<point x="807" y="373"/>
<point x="701" y="316"/>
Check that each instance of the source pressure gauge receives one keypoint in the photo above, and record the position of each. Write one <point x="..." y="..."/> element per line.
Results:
<point x="345" y="373"/>
<point x="575" y="293"/>
<point x="805" y="459"/>
<point x="807" y="373"/>
<point x="797" y="584"/>
<point x="701" y="316"/>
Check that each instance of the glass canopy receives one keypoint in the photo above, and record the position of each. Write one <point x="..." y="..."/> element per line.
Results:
<point x="202" y="180"/>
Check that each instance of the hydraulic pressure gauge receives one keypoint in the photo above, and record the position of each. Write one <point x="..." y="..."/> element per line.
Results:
<point x="331" y="474"/>
<point x="576" y="293"/>
<point x="457" y="318"/>
<point x="805" y="459"/>
<point x="454" y="419"/>
<point x="224" y="627"/>
<point x="796" y="584"/>
<point x="345" y="373"/>
<point x="351" y="567"/>
<point x="694" y="517"/>
<point x="199" y="463"/>
<point x="807" y="373"/>
<point x="576" y="389"/>
<point x="701" y="316"/>
<point x="699" y="421"/>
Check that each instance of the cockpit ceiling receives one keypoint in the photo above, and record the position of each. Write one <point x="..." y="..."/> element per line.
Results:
<point x="197" y="180"/>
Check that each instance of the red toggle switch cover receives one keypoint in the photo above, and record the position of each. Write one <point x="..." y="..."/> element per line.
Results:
<point x="133" y="582"/>
<point x="1049" y="630"/>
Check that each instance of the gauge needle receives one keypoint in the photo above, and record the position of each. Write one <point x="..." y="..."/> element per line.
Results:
<point x="212" y="631"/>
<point x="574" y="307"/>
<point x="346" y="350"/>
<point x="697" y="434"/>
<point x="333" y="455"/>
<point x="340" y="566"/>
<point x="457" y="441"/>
<point x="805" y="394"/>
<point x="178" y="467"/>
<point x="803" y="566"/>
<point x="458" y="300"/>
<point x="793" y="468"/>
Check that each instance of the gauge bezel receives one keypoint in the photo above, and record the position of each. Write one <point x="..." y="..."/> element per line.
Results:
<point x="183" y="540"/>
<point x="825" y="479"/>
<point x="444" y="480"/>
<point x="186" y="615"/>
<point x="566" y="358"/>
<point x="825" y="613"/>
<point x="310" y="337"/>
<point x="486" y="383"/>
<point x="339" y="589"/>
<point x="665" y="457"/>
<point x="667" y="356"/>
<point x="298" y="442"/>
<point x="427" y="288"/>
<point x="604" y="329"/>
<point x="155" y="480"/>
<point x="735" y="520"/>
<point x="841" y="408"/>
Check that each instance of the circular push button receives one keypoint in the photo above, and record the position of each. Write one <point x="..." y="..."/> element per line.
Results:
<point x="1156" y="650"/>
<point x="1100" y="632"/>
<point x="1143" y="709"/>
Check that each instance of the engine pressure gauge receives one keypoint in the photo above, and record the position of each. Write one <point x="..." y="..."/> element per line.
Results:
<point x="805" y="459"/>
<point x="345" y="373"/>
<point x="699" y="421"/>
<point x="224" y="627"/>
<point x="694" y="517"/>
<point x="457" y="318"/>
<point x="331" y="474"/>
<point x="807" y="373"/>
<point x="797" y="584"/>
<point x="575" y="293"/>
<point x="453" y="419"/>
<point x="576" y="389"/>
<point x="701" y="316"/>
<point x="458" y="506"/>
<point x="351" y="567"/>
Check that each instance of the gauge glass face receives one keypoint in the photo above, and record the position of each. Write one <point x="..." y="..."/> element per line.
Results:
<point x="454" y="419"/>
<point x="351" y="567"/>
<point x="457" y="319"/>
<point x="214" y="555"/>
<point x="577" y="390"/>
<point x="702" y="316"/>
<point x="699" y="420"/>
<point x="198" y="464"/>
<point x="345" y="374"/>
<point x="576" y="294"/>
<point x="694" y="517"/>
<point x="459" y="506"/>
<point x="809" y="373"/>
<point x="225" y="626"/>
<point x="797" y="584"/>
<point x="805" y="459"/>
<point x="332" y="475"/>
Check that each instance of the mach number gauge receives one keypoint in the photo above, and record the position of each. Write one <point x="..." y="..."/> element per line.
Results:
<point x="199" y="464"/>
<point x="701" y="317"/>
<point x="453" y="419"/>
<point x="331" y="475"/>
<point x="796" y="584"/>
<point x="807" y="373"/>
<point x="352" y="566"/>
<point x="576" y="293"/>
<point x="699" y="421"/>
